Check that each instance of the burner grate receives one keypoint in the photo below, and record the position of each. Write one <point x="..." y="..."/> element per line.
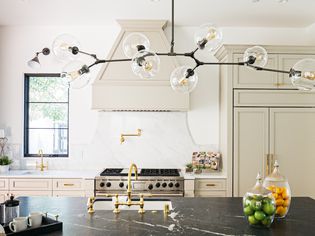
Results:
<point x="159" y="172"/>
<point x="112" y="172"/>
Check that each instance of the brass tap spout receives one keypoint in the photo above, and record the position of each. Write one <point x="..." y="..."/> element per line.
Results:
<point x="131" y="168"/>
<point x="41" y="166"/>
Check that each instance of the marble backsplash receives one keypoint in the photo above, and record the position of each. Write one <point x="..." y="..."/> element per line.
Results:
<point x="165" y="142"/>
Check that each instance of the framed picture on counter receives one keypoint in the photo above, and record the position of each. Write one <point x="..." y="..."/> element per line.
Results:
<point x="207" y="160"/>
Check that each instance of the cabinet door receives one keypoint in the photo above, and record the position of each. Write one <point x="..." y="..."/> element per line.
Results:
<point x="244" y="77"/>
<point x="286" y="62"/>
<point x="69" y="193"/>
<point x="28" y="193"/>
<point x="250" y="146"/>
<point x="4" y="195"/>
<point x="292" y="142"/>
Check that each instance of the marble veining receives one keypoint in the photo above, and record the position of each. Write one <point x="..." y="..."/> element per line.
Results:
<point x="166" y="142"/>
<point x="189" y="217"/>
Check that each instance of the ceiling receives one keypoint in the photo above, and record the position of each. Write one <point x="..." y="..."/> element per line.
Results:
<point x="242" y="13"/>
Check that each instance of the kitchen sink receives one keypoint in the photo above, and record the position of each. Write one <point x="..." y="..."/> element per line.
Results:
<point x="150" y="204"/>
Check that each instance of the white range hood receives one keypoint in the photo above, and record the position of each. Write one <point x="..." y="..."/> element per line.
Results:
<point x="116" y="88"/>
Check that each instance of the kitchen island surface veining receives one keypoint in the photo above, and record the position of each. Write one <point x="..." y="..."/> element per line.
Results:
<point x="190" y="216"/>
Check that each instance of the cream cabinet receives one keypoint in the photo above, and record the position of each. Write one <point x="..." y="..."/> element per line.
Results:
<point x="205" y="187"/>
<point x="3" y="196"/>
<point x="210" y="188"/>
<point x="245" y="77"/>
<point x="71" y="187"/>
<point x="32" y="184"/>
<point x="251" y="142"/>
<point x="263" y="118"/>
<point x="263" y="135"/>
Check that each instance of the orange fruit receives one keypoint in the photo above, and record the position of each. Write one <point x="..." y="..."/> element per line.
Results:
<point x="286" y="203"/>
<point x="281" y="210"/>
<point x="279" y="190"/>
<point x="279" y="202"/>
<point x="285" y="195"/>
<point x="275" y="195"/>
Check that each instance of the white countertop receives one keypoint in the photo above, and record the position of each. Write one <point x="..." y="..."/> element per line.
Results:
<point x="188" y="176"/>
<point x="90" y="174"/>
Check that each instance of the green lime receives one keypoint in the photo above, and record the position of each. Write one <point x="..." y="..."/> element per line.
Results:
<point x="259" y="215"/>
<point x="267" y="221"/>
<point x="252" y="220"/>
<point x="246" y="202"/>
<point x="258" y="197"/>
<point x="269" y="209"/>
<point x="267" y="200"/>
<point x="255" y="205"/>
<point x="248" y="211"/>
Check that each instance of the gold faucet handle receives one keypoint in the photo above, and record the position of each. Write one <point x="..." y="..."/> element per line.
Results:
<point x="145" y="195"/>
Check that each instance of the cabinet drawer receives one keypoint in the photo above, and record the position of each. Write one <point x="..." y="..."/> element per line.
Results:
<point x="245" y="77"/>
<point x="206" y="184"/>
<point x="30" y="184"/>
<point x="4" y="184"/>
<point x="210" y="194"/>
<point x="279" y="98"/>
<point x="69" y="193"/>
<point x="68" y="184"/>
<point x="31" y="193"/>
<point x="4" y="195"/>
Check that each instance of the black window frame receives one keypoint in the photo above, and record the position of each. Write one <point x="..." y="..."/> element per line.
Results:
<point x="26" y="115"/>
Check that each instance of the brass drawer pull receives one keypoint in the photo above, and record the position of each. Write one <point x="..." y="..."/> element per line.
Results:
<point x="210" y="185"/>
<point x="68" y="184"/>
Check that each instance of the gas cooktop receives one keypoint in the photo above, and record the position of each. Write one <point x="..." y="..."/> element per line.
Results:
<point x="142" y="172"/>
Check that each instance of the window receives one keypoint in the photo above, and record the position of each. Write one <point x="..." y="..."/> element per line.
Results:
<point x="46" y="115"/>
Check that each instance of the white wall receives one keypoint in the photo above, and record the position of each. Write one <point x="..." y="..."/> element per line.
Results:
<point x="18" y="44"/>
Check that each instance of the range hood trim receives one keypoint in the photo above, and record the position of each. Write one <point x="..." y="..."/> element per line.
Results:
<point x="112" y="92"/>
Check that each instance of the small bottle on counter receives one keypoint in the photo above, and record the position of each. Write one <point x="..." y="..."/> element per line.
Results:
<point x="259" y="205"/>
<point x="281" y="191"/>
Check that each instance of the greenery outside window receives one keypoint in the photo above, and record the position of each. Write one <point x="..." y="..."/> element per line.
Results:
<point x="46" y="115"/>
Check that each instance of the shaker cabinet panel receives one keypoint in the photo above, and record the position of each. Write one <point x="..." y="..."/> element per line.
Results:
<point x="31" y="193"/>
<point x="4" y="195"/>
<point x="4" y="184"/>
<point x="250" y="146"/>
<point x="245" y="77"/>
<point x="68" y="184"/>
<point x="30" y="184"/>
<point x="68" y="193"/>
<point x="292" y="143"/>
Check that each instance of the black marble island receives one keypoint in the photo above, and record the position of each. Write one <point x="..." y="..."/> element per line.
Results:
<point x="190" y="216"/>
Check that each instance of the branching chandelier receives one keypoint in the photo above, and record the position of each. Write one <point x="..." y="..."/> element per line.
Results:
<point x="146" y="63"/>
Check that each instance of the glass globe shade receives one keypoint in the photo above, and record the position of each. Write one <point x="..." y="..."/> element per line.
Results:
<point x="61" y="46"/>
<point x="303" y="74"/>
<point x="145" y="64"/>
<point x="180" y="82"/>
<point x="76" y="73"/>
<point x="132" y="42"/>
<point x="257" y="52"/>
<point x="208" y="37"/>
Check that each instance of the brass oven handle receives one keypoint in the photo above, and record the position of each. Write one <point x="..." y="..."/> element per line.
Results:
<point x="210" y="185"/>
<point x="271" y="163"/>
<point x="267" y="164"/>
<point x="68" y="184"/>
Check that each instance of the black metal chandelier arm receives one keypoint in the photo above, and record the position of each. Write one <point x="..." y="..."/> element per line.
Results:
<point x="268" y="69"/>
<point x="105" y="61"/>
<point x="173" y="34"/>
